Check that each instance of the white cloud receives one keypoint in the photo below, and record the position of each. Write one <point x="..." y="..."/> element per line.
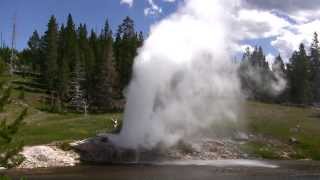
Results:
<point x="260" y="24"/>
<point x="128" y="2"/>
<point x="290" y="39"/>
<point x="287" y="22"/>
<point x="153" y="9"/>
<point x="287" y="6"/>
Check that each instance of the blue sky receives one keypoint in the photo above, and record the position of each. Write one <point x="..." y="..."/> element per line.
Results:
<point x="34" y="15"/>
<point x="278" y="26"/>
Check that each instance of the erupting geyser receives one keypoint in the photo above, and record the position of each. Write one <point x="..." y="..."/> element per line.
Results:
<point x="184" y="78"/>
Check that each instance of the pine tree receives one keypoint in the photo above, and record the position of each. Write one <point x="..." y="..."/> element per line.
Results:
<point x="50" y="68"/>
<point x="71" y="43"/>
<point x="63" y="70"/>
<point x="125" y="48"/>
<point x="315" y="68"/>
<point x="9" y="145"/>
<point x="299" y="76"/>
<point x="105" y="72"/>
<point x="34" y="44"/>
<point x="87" y="57"/>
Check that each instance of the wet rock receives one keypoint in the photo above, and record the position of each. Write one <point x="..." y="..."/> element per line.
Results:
<point x="101" y="150"/>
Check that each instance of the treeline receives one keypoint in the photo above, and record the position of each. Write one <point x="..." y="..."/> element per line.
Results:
<point x="81" y="70"/>
<point x="297" y="82"/>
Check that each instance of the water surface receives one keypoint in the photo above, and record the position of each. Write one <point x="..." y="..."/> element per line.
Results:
<point x="184" y="170"/>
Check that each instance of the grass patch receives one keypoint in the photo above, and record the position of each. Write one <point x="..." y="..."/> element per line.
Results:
<point x="41" y="127"/>
<point x="65" y="127"/>
<point x="261" y="150"/>
<point x="280" y="123"/>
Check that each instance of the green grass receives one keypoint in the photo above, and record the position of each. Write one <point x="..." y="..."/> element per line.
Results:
<point x="277" y="122"/>
<point x="41" y="127"/>
<point x="261" y="150"/>
<point x="64" y="127"/>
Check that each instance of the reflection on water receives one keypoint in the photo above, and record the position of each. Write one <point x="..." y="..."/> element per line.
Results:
<point x="221" y="163"/>
<point x="185" y="170"/>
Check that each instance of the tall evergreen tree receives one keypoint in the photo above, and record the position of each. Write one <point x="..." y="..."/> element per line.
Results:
<point x="87" y="58"/>
<point x="105" y="72"/>
<point x="315" y="68"/>
<point x="34" y="45"/>
<point x="50" y="68"/>
<point x="125" y="48"/>
<point x="63" y="69"/>
<point x="71" y="44"/>
<point x="299" y="76"/>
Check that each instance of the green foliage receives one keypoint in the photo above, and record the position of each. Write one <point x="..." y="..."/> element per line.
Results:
<point x="261" y="150"/>
<point x="50" y="66"/>
<point x="104" y="73"/>
<point x="33" y="54"/>
<point x="315" y="68"/>
<point x="106" y="65"/>
<point x="3" y="66"/>
<point x="9" y="146"/>
<point x="299" y="77"/>
<point x="5" y="95"/>
<point x="302" y="74"/>
<point x="125" y="47"/>
<point x="5" y="54"/>
<point x="9" y="178"/>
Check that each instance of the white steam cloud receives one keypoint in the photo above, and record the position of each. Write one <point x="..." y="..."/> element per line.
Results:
<point x="184" y="78"/>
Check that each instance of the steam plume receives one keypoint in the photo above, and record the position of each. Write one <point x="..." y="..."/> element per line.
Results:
<point x="183" y="77"/>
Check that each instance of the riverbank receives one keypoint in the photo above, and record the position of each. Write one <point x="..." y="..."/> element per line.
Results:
<point x="98" y="150"/>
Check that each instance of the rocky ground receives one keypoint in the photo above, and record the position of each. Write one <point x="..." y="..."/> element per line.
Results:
<point x="99" y="150"/>
<point x="206" y="149"/>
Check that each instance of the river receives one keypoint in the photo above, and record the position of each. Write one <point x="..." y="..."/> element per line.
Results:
<point x="184" y="170"/>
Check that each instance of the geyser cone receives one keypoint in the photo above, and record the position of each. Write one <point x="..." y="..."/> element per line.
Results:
<point x="183" y="77"/>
